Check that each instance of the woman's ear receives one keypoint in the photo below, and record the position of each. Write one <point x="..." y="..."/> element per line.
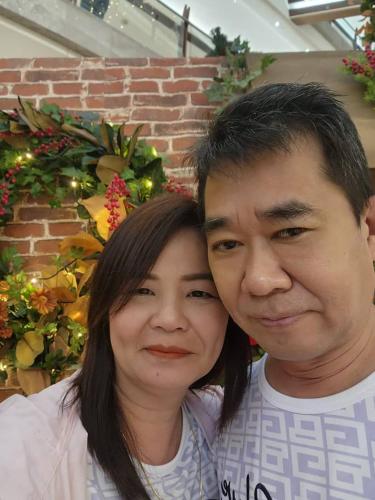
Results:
<point x="369" y="220"/>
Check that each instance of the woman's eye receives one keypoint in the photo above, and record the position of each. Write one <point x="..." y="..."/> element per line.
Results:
<point x="142" y="291"/>
<point x="290" y="232"/>
<point x="201" y="294"/>
<point x="223" y="246"/>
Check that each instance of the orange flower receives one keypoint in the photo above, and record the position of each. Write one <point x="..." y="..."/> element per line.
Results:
<point x="3" y="311"/>
<point x="43" y="300"/>
<point x="5" y="332"/>
<point x="4" y="287"/>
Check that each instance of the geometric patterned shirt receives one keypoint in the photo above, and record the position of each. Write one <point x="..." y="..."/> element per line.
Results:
<point x="283" y="448"/>
<point x="182" y="478"/>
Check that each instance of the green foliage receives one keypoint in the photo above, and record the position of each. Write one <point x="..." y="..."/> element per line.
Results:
<point x="10" y="262"/>
<point x="237" y="77"/>
<point x="367" y="30"/>
<point x="45" y="151"/>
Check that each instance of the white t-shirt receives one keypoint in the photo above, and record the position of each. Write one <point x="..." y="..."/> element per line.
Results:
<point x="283" y="448"/>
<point x="181" y="478"/>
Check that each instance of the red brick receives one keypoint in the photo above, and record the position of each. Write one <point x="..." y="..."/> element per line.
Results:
<point x="161" y="145"/>
<point x="14" y="63"/>
<point x="65" y="228"/>
<point x="175" y="160"/>
<point x="195" y="72"/>
<point x="179" y="127"/>
<point x="167" y="61"/>
<point x="10" y="76"/>
<point x="205" y="84"/>
<point x="8" y="104"/>
<point x="47" y="246"/>
<point x="92" y="62"/>
<point x="108" y="102"/>
<point x="203" y="61"/>
<point x="64" y="102"/>
<point x="22" y="247"/>
<point x="125" y="61"/>
<point x="35" y="263"/>
<point x="26" y="89"/>
<point x="180" y="86"/>
<point x="145" y="132"/>
<point x="160" y="100"/>
<point x="199" y="99"/>
<point x="3" y="90"/>
<point x="144" y="86"/>
<point x="199" y="113"/>
<point x="44" y="199"/>
<point x="138" y="73"/>
<point x="55" y="76"/>
<point x="183" y="143"/>
<point x="106" y="88"/>
<point x="105" y="75"/>
<point x="56" y="62"/>
<point x="67" y="88"/>
<point x="23" y="230"/>
<point x="39" y="213"/>
<point x="155" y="114"/>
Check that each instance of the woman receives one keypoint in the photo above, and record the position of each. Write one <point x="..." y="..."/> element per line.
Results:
<point x="131" y="424"/>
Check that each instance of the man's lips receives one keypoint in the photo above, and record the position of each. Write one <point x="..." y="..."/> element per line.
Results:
<point x="284" y="319"/>
<point x="170" y="352"/>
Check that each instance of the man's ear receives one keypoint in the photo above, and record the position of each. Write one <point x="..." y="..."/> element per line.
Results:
<point x="369" y="220"/>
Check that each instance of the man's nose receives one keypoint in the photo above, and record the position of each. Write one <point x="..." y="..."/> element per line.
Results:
<point x="169" y="316"/>
<point x="263" y="273"/>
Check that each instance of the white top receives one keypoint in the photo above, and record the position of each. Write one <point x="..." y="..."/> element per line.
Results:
<point x="43" y="451"/>
<point x="181" y="478"/>
<point x="284" y="448"/>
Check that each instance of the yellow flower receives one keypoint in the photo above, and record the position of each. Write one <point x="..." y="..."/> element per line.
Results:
<point x="43" y="300"/>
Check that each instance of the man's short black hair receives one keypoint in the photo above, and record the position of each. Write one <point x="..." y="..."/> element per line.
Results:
<point x="270" y="119"/>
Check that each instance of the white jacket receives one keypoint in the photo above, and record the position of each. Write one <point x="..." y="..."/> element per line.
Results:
<point x="43" y="451"/>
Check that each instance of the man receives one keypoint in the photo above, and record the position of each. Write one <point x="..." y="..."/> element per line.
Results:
<point x="289" y="215"/>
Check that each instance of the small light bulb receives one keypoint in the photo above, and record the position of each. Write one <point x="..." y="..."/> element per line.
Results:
<point x="19" y="158"/>
<point x="277" y="24"/>
<point x="29" y="156"/>
<point x="34" y="280"/>
<point x="148" y="183"/>
<point x="74" y="184"/>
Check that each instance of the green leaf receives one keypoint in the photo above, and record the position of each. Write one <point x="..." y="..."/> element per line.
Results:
<point x="127" y="174"/>
<point x="72" y="172"/>
<point x="35" y="189"/>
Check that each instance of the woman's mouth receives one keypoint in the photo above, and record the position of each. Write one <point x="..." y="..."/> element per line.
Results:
<point x="167" y="352"/>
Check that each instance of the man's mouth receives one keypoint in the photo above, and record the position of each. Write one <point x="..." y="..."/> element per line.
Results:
<point x="279" y="320"/>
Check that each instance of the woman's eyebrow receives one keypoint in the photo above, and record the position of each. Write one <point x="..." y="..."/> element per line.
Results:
<point x="197" y="276"/>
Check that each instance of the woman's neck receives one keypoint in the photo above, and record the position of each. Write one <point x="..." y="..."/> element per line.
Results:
<point x="155" y="422"/>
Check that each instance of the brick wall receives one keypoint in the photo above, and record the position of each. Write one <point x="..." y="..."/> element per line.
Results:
<point x="164" y="94"/>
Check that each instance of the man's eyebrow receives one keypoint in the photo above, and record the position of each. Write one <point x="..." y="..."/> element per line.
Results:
<point x="287" y="210"/>
<point x="213" y="224"/>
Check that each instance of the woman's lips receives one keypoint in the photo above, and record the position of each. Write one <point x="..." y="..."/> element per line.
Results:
<point x="168" y="352"/>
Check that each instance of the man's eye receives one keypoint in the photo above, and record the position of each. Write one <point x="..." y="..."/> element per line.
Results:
<point x="201" y="294"/>
<point x="290" y="232"/>
<point x="223" y="246"/>
<point x="142" y="291"/>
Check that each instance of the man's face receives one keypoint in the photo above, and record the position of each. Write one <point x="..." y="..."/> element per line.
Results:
<point x="291" y="264"/>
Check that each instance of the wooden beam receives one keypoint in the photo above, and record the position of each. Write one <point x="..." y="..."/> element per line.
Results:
<point x="311" y="14"/>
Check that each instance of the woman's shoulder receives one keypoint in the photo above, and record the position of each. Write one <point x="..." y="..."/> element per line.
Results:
<point x="205" y="406"/>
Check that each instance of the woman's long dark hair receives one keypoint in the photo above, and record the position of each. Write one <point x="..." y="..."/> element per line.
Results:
<point x="124" y="264"/>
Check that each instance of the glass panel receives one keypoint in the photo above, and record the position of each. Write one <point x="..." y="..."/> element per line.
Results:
<point x="152" y="24"/>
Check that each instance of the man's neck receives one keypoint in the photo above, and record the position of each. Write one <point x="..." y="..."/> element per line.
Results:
<point x="325" y="376"/>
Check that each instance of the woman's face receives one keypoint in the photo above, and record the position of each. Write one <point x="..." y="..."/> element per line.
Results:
<point x="172" y="330"/>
